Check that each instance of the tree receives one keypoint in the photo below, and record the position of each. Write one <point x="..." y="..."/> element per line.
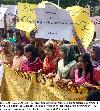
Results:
<point x="63" y="3"/>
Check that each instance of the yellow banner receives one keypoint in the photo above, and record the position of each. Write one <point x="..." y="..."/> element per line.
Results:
<point x="17" y="86"/>
<point x="26" y="16"/>
<point x="83" y="25"/>
<point x="25" y="26"/>
<point x="26" y="12"/>
<point x="74" y="11"/>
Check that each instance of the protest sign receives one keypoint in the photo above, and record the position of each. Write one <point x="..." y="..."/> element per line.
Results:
<point x="84" y="27"/>
<point x="96" y="22"/>
<point x="26" y="12"/>
<point x="2" y="12"/>
<point x="74" y="11"/>
<point x="26" y="16"/>
<point x="2" y="23"/>
<point x="53" y="23"/>
<point x="25" y="26"/>
<point x="11" y="12"/>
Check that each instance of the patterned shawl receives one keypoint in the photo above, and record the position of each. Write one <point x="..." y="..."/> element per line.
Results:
<point x="49" y="65"/>
<point x="69" y="53"/>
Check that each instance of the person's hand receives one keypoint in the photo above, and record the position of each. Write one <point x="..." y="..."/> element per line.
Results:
<point x="67" y="80"/>
<point x="57" y="78"/>
<point x="70" y="83"/>
<point x="86" y="84"/>
<point x="50" y="75"/>
<point x="40" y="71"/>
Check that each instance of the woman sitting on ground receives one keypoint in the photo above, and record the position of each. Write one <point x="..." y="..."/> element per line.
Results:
<point x="19" y="57"/>
<point x="33" y="63"/>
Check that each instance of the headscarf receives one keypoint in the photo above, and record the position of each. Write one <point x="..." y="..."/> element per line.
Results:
<point x="56" y="49"/>
<point x="69" y="53"/>
<point x="7" y="58"/>
<point x="96" y="48"/>
<point x="49" y="65"/>
<point x="7" y="44"/>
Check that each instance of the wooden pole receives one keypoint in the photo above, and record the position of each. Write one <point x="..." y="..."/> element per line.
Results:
<point x="5" y="24"/>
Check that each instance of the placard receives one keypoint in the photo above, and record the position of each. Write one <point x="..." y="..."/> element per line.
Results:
<point x="82" y="23"/>
<point x="96" y="22"/>
<point x="53" y="23"/>
<point x="26" y="16"/>
<point x="2" y="12"/>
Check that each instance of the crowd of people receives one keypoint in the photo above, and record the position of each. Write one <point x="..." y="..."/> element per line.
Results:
<point x="53" y="58"/>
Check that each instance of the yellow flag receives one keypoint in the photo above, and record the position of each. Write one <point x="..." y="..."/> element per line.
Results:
<point x="74" y="11"/>
<point x="26" y="12"/>
<point x="26" y="26"/>
<point x="83" y="25"/>
<point x="26" y="16"/>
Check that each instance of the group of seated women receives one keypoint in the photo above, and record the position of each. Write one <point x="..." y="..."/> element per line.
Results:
<point x="61" y="62"/>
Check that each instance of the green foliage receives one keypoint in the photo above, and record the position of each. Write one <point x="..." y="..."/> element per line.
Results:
<point x="63" y="3"/>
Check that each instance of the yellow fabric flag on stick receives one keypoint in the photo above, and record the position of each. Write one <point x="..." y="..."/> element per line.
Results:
<point x="18" y="86"/>
<point x="25" y="26"/>
<point x="26" y="16"/>
<point x="74" y="11"/>
<point x="26" y="12"/>
<point x="83" y="25"/>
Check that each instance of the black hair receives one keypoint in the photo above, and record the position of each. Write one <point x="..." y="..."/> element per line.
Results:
<point x="75" y="47"/>
<point x="32" y="33"/>
<point x="19" y="47"/>
<point x="10" y="31"/>
<point x="4" y="36"/>
<point x="66" y="42"/>
<point x="89" y="67"/>
<point x="94" y="96"/>
<point x="18" y="33"/>
<point x="94" y="36"/>
<point x="32" y="49"/>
